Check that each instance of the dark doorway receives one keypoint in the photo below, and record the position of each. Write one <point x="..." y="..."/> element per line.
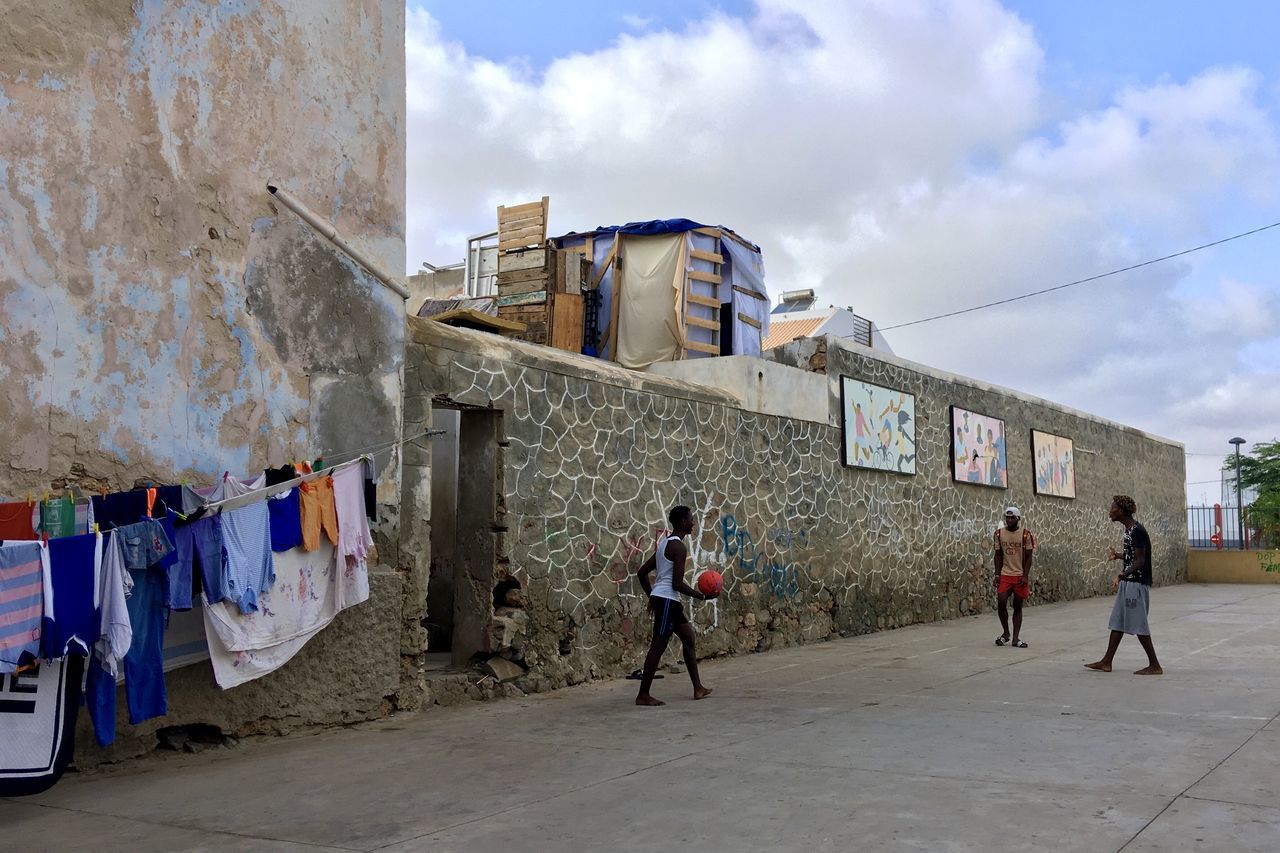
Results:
<point x="464" y="480"/>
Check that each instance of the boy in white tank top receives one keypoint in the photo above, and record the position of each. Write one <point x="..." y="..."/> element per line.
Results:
<point x="664" y="593"/>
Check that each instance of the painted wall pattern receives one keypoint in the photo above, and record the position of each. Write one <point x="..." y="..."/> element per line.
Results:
<point x="807" y="547"/>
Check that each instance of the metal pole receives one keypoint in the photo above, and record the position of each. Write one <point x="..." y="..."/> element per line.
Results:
<point x="1239" y="498"/>
<point x="1239" y="492"/>
<point x="331" y="234"/>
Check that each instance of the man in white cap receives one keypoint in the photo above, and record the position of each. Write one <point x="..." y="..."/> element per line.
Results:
<point x="1015" y="546"/>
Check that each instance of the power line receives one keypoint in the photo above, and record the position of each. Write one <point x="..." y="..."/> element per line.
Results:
<point x="1082" y="280"/>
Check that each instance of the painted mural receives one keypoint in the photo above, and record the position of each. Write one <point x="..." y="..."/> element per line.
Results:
<point x="879" y="426"/>
<point x="1055" y="464"/>
<point x="978" y="449"/>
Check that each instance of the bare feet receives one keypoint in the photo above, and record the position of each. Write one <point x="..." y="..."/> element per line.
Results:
<point x="1150" y="670"/>
<point x="649" y="701"/>
<point x="1100" y="666"/>
<point x="702" y="693"/>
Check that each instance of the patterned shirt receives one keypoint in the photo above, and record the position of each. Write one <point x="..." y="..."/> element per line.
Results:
<point x="1136" y="537"/>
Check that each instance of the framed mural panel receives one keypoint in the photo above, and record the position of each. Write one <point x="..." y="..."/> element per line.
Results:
<point x="1054" y="457"/>
<point x="978" y="449"/>
<point x="879" y="426"/>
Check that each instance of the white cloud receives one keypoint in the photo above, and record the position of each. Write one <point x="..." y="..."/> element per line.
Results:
<point x="895" y="155"/>
<point x="637" y="22"/>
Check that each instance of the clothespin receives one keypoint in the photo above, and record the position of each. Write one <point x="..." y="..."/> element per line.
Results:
<point x="95" y="527"/>
<point x="30" y="499"/>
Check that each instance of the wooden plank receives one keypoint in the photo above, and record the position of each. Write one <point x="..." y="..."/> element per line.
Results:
<point x="699" y="275"/>
<point x="750" y="321"/>
<point x="566" y="322"/>
<point x="522" y="299"/>
<point x="535" y="236"/>
<point x="517" y="210"/>
<point x="531" y="286"/>
<point x="470" y="317"/>
<point x="710" y="349"/>
<point x="516" y="261"/>
<point x="573" y="270"/>
<point x="710" y="232"/>
<point x="535" y="334"/>
<point x="604" y="267"/>
<point x="709" y="302"/>
<point x="509" y="230"/>
<point x="754" y="294"/>
<point x="529" y="310"/>
<point x="509" y="240"/>
<point x="522" y="243"/>
<point x="514" y="223"/>
<point x="614" y="303"/>
<point x="701" y="323"/>
<point x="521" y="275"/>
<point x="524" y="318"/>
<point x="741" y="241"/>
<point x="713" y="257"/>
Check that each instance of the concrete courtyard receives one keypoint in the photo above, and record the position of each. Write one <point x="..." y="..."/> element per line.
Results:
<point x="927" y="738"/>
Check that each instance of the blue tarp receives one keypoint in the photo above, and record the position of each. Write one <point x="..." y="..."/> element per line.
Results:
<point x="650" y="228"/>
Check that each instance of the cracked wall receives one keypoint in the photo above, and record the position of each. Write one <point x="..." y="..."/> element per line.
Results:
<point x="809" y="549"/>
<point x="163" y="317"/>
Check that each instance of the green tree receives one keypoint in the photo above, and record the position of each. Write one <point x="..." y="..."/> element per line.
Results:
<point x="1260" y="469"/>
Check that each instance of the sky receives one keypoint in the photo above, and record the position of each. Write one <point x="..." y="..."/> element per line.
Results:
<point x="906" y="158"/>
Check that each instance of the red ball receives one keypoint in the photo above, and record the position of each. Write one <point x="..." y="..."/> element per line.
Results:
<point x="710" y="583"/>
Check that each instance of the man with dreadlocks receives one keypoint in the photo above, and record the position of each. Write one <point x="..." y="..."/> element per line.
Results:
<point x="1133" y="589"/>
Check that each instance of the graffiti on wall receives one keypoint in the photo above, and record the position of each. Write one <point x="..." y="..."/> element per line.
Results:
<point x="775" y="563"/>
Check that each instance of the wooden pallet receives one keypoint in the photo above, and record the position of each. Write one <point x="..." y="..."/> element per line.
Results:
<point x="539" y="286"/>
<point x="522" y="226"/>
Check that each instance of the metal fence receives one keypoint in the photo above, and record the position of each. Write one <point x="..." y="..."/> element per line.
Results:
<point x="1219" y="527"/>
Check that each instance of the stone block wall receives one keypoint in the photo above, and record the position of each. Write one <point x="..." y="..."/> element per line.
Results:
<point x="595" y="456"/>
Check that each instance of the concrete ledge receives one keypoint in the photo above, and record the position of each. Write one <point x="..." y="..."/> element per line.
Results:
<point x="435" y="335"/>
<point x="760" y="386"/>
<point x="1233" y="566"/>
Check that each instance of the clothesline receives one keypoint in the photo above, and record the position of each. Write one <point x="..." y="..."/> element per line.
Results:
<point x="280" y="488"/>
<point x="375" y="449"/>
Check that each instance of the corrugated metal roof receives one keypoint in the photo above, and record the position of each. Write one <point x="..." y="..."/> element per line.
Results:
<point x="483" y="304"/>
<point x="785" y="331"/>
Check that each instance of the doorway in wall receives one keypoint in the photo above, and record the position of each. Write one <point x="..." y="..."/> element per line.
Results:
<point x="464" y="478"/>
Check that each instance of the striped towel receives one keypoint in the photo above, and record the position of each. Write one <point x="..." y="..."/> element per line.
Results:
<point x="22" y="588"/>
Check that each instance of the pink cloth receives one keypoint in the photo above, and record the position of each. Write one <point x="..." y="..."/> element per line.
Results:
<point x="354" y="538"/>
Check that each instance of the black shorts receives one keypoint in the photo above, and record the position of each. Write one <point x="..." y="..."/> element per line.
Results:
<point x="667" y="616"/>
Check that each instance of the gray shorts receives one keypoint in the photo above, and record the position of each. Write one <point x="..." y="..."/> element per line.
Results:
<point x="1129" y="614"/>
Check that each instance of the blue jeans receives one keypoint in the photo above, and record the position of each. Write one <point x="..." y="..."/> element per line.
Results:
<point x="143" y="665"/>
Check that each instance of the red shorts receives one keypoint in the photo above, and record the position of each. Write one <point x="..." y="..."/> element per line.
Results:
<point x="1017" y="583"/>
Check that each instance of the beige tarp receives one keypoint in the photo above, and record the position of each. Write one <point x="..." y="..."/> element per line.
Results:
<point x="653" y="270"/>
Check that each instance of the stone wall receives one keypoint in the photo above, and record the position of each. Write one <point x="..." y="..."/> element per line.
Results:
<point x="596" y="455"/>
<point x="163" y="318"/>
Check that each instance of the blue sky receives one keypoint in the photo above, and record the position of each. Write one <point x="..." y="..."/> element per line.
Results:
<point x="906" y="158"/>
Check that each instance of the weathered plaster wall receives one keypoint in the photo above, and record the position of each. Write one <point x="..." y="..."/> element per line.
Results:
<point x="162" y="317"/>
<point x="596" y="455"/>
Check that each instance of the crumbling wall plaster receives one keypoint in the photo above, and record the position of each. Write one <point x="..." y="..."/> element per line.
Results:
<point x="164" y="318"/>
